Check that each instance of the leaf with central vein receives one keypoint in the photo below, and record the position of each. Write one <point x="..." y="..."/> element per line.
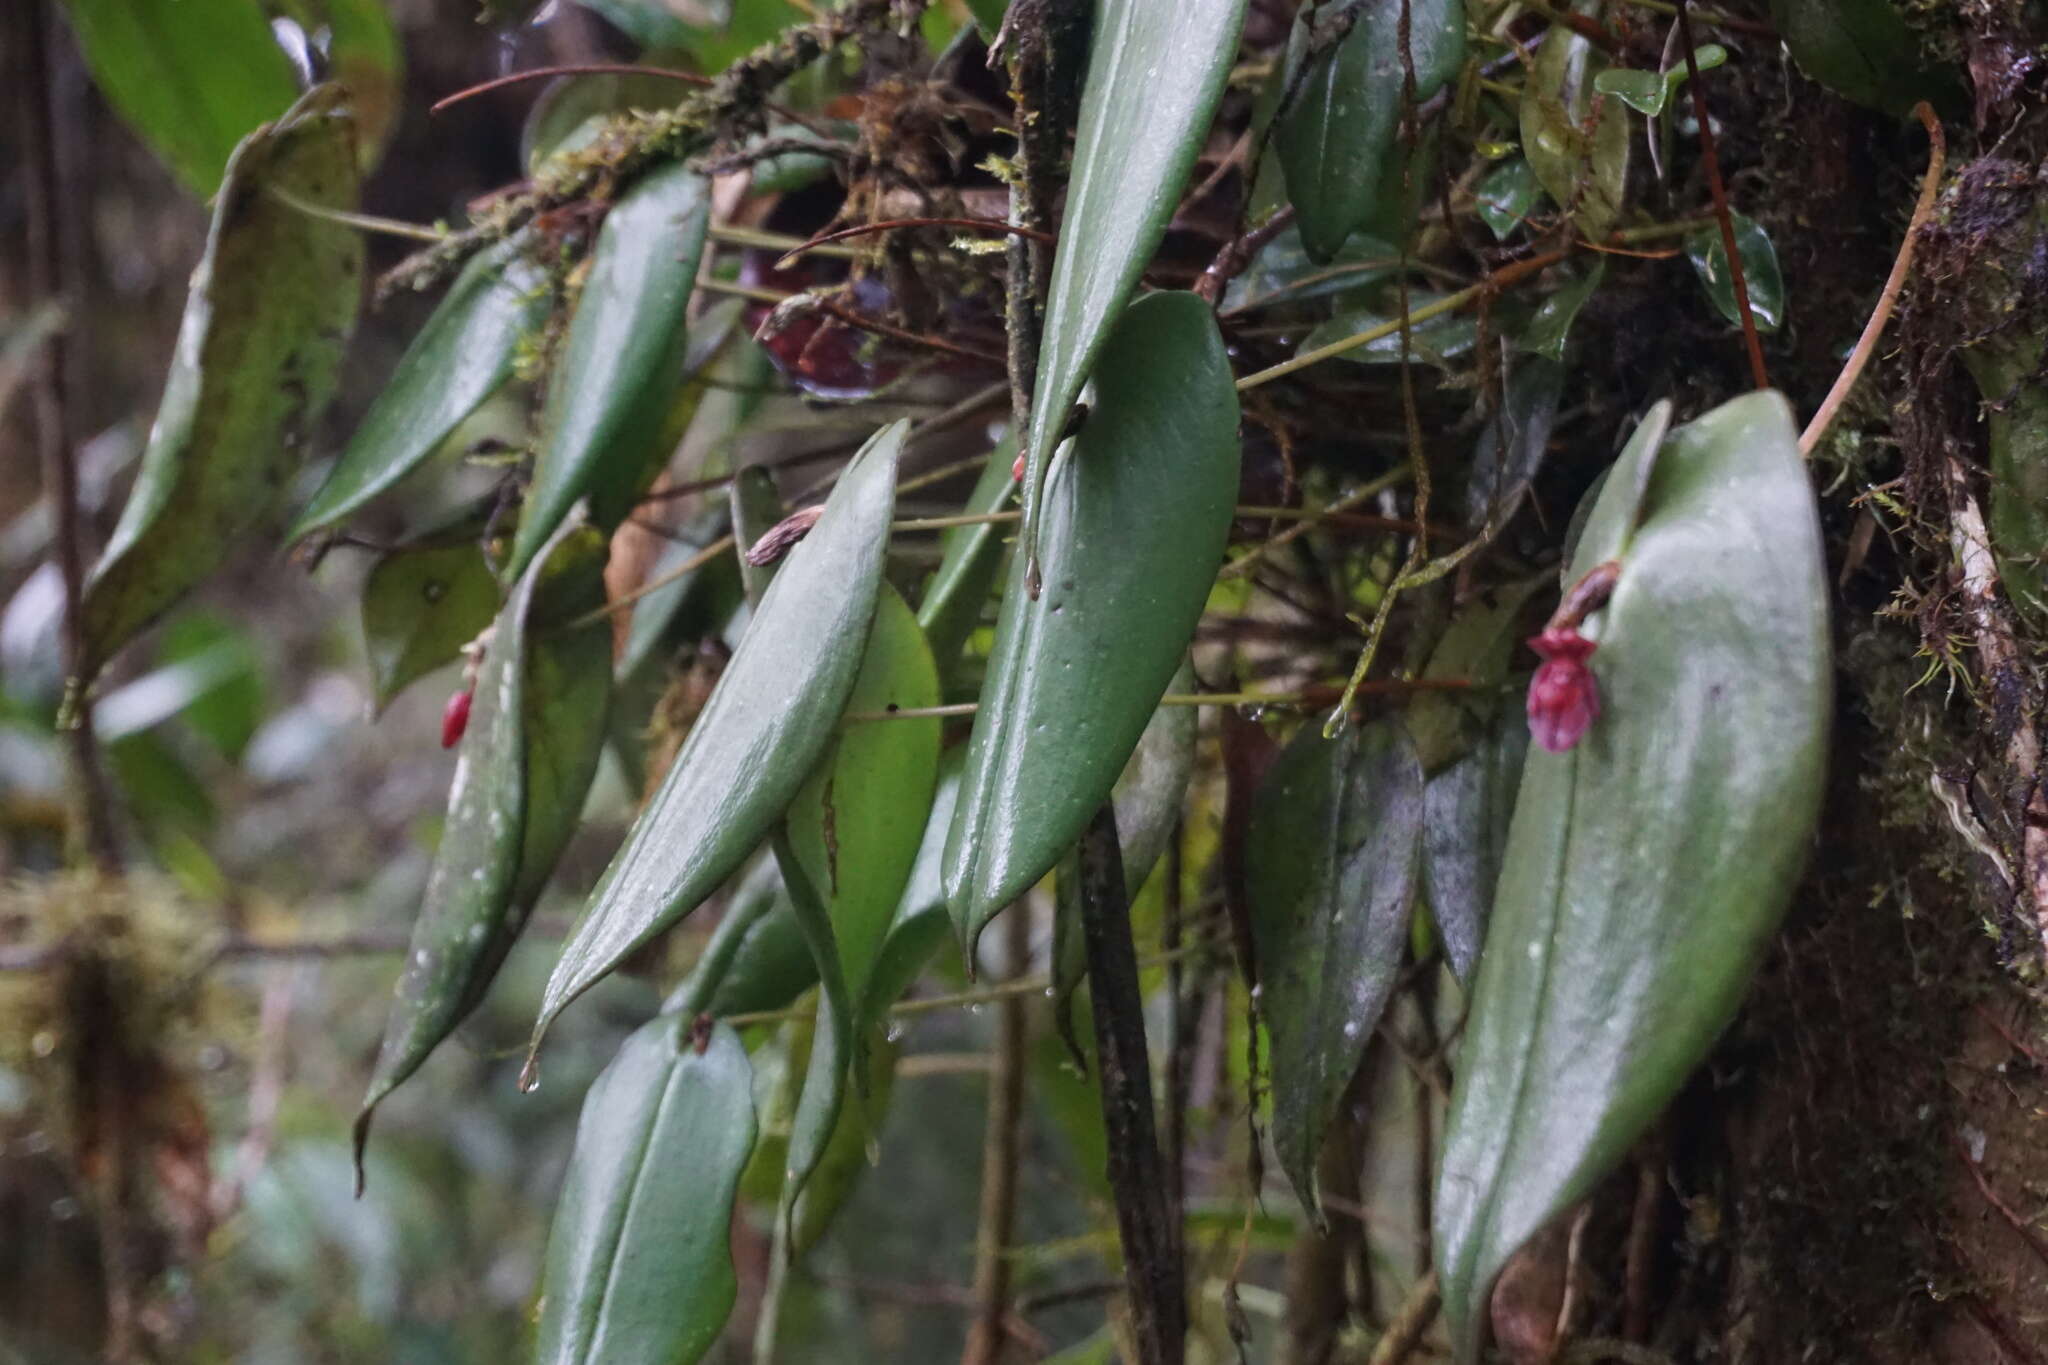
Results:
<point x="606" y="420"/>
<point x="767" y="723"/>
<point x="1333" y="141"/>
<point x="1647" y="867"/>
<point x="525" y="766"/>
<point x="1331" y="862"/>
<point x="1155" y="74"/>
<point x="639" y="1264"/>
<point x="1135" y="522"/>
<point x="461" y="357"/>
<point x="1577" y="146"/>
<point x="271" y="308"/>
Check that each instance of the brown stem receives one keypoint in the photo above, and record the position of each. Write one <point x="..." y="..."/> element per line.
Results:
<point x="892" y="224"/>
<point x="1153" y="1278"/>
<point x="539" y="73"/>
<point x="1406" y="1331"/>
<point x="53" y="429"/>
<point x="999" y="1153"/>
<point x="1720" y="191"/>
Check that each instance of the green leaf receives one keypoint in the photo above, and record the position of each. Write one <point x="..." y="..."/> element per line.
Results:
<point x="766" y="725"/>
<point x="920" y="922"/>
<point x="1331" y="860"/>
<point x="653" y="24"/>
<point x="2016" y="429"/>
<point x="772" y="964"/>
<point x="1465" y="813"/>
<point x="1335" y="139"/>
<point x="1647" y="92"/>
<point x="1760" y="273"/>
<point x="835" y="1044"/>
<point x="606" y="427"/>
<point x="460" y="358"/>
<point x="1155" y="74"/>
<point x="858" y="821"/>
<point x="421" y="605"/>
<point x="1135" y="522"/>
<point x="1551" y="328"/>
<point x="1507" y="196"/>
<point x="1433" y="341"/>
<point x="1582" y="167"/>
<point x="1647" y="867"/>
<point x="1862" y="50"/>
<point x="1284" y="273"/>
<point x="1476" y="646"/>
<point x="527" y="758"/>
<point x="754" y="506"/>
<point x="271" y="308"/>
<point x="192" y="79"/>
<point x="1512" y="444"/>
<point x="970" y="557"/>
<point x="639" y="1264"/>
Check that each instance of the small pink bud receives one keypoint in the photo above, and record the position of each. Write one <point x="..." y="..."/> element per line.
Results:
<point x="1564" y="697"/>
<point x="1017" y="470"/>
<point x="455" y="717"/>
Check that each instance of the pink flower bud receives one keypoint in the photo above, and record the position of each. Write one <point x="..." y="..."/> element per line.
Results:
<point x="1017" y="469"/>
<point x="455" y="717"/>
<point x="1564" y="697"/>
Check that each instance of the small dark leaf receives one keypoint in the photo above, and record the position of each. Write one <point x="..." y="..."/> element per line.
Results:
<point x="1512" y="444"/>
<point x="421" y="605"/>
<point x="1507" y="196"/>
<point x="1331" y="862"/>
<point x="1760" y="274"/>
<point x="1862" y="50"/>
<point x="1551" y="328"/>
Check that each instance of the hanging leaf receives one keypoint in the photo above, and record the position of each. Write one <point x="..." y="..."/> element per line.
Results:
<point x="1434" y="341"/>
<point x="606" y="427"/>
<point x="1647" y="867"/>
<point x="1760" y="273"/>
<point x="755" y="506"/>
<point x="363" y="52"/>
<point x="421" y="605"/>
<point x="460" y="358"/>
<point x="1862" y="50"/>
<point x="527" y="759"/>
<point x="1551" y="328"/>
<point x="639" y="1264"/>
<point x="1579" y="153"/>
<point x="772" y="965"/>
<point x="834" y="1041"/>
<point x="1465" y="813"/>
<point x="1284" y="273"/>
<point x="858" y="821"/>
<point x="192" y="80"/>
<point x="1134" y="146"/>
<point x="764" y="729"/>
<point x="1134" y="530"/>
<point x="1512" y="444"/>
<point x="1335" y="139"/>
<point x="1507" y="196"/>
<point x="1476" y="647"/>
<point x="269" y="314"/>
<point x="1331" y="861"/>
<point x="970" y="557"/>
<point x="845" y="1158"/>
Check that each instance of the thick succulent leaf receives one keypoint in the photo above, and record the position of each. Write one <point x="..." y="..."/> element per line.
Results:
<point x="193" y="80"/>
<point x="1334" y="140"/>
<point x="834" y="1040"/>
<point x="459" y="359"/>
<point x="920" y="923"/>
<point x="1760" y="274"/>
<point x="1860" y="49"/>
<point x="1331" y="861"/>
<point x="1155" y="74"/>
<point x="845" y="1157"/>
<point x="269" y="314"/>
<point x="1512" y="444"/>
<point x="1647" y="867"/>
<point x="858" y="821"/>
<point x="527" y="758"/>
<point x="970" y="557"/>
<point x="1466" y="809"/>
<point x="639" y="1264"/>
<point x="1581" y="163"/>
<point x="1134" y="527"/>
<point x="606" y="425"/>
<point x="767" y="723"/>
<point x="364" y="53"/>
<point x="757" y="958"/>
<point x="421" y="605"/>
